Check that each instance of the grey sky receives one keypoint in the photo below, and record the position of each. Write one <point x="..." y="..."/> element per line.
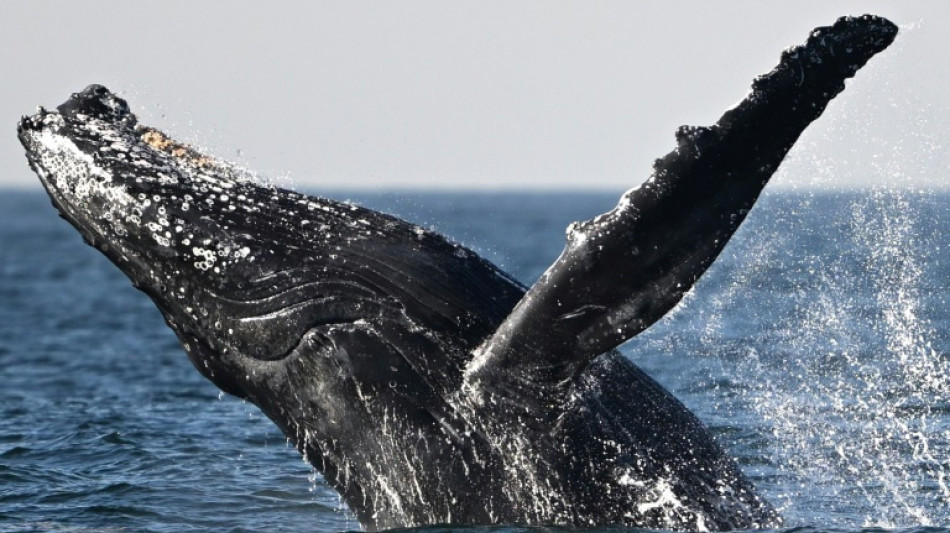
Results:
<point x="484" y="94"/>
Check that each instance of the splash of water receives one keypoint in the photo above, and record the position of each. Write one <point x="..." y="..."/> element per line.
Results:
<point x="852" y="385"/>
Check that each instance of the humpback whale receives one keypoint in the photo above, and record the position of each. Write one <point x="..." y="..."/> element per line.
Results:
<point x="425" y="384"/>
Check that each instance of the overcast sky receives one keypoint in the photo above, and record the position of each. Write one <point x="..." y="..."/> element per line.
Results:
<point x="486" y="94"/>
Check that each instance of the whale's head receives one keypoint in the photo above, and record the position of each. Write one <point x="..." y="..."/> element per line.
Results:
<point x="262" y="285"/>
<point x="339" y="322"/>
<point x="222" y="256"/>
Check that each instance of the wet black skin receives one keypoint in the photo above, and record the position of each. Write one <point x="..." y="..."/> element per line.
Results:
<point x="425" y="384"/>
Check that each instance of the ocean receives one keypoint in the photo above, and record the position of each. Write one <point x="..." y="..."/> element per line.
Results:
<point x="815" y="348"/>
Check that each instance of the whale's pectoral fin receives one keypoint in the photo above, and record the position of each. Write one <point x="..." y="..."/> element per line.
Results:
<point x="623" y="270"/>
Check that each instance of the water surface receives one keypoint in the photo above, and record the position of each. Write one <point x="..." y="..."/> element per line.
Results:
<point x="816" y="349"/>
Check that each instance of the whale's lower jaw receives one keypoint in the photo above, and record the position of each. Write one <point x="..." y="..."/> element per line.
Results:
<point x="424" y="383"/>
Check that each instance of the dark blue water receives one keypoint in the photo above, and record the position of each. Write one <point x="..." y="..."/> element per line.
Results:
<point x="816" y="349"/>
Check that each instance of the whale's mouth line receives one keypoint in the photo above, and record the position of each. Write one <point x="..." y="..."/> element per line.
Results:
<point x="275" y="297"/>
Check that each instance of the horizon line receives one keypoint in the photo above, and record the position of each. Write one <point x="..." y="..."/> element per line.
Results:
<point x="555" y="189"/>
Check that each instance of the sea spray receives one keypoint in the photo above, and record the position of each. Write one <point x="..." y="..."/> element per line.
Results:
<point x="848" y="382"/>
